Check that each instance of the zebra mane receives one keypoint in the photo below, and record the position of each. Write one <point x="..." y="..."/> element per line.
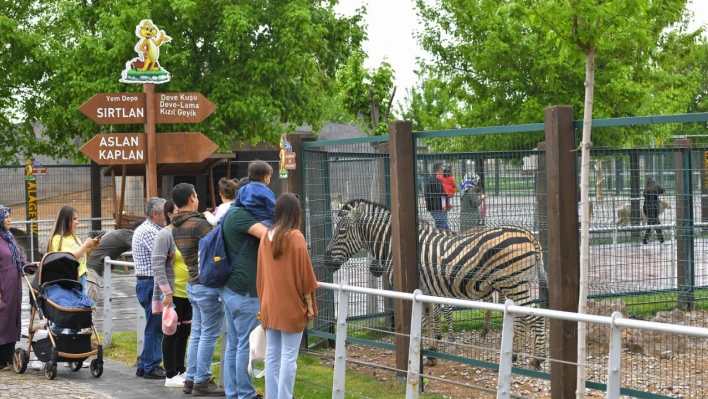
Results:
<point x="352" y="204"/>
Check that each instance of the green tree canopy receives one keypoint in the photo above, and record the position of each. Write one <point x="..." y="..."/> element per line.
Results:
<point x="268" y="65"/>
<point x="503" y="67"/>
<point x="367" y="94"/>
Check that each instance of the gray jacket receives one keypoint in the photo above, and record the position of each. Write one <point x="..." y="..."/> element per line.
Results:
<point x="162" y="256"/>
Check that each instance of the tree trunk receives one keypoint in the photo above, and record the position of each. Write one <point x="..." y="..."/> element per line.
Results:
<point x="585" y="215"/>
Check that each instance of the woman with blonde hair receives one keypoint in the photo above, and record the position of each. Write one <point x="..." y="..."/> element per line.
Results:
<point x="64" y="239"/>
<point x="286" y="283"/>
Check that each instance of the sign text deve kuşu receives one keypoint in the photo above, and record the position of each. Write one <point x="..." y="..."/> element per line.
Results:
<point x="129" y="108"/>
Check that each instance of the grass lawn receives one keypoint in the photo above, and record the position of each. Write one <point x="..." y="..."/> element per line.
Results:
<point x="314" y="380"/>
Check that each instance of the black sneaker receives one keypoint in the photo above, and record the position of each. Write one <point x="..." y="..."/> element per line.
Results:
<point x="158" y="373"/>
<point x="140" y="373"/>
<point x="207" y="388"/>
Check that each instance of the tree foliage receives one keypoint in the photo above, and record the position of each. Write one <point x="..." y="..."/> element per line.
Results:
<point x="367" y="94"/>
<point x="503" y="64"/>
<point x="267" y="64"/>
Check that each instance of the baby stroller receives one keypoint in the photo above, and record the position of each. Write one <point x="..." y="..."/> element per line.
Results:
<point x="58" y="268"/>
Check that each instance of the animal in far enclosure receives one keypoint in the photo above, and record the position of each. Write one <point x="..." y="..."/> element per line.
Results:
<point x="624" y="213"/>
<point x="506" y="259"/>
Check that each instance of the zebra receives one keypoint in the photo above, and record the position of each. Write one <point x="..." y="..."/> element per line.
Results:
<point x="471" y="265"/>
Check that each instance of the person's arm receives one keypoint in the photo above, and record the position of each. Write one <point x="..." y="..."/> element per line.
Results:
<point x="257" y="230"/>
<point x="270" y="203"/>
<point x="65" y="247"/>
<point x="160" y="252"/>
<point x="308" y="280"/>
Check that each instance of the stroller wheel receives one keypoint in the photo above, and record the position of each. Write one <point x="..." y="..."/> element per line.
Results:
<point x="76" y="366"/>
<point x="96" y="368"/>
<point x="19" y="361"/>
<point x="50" y="371"/>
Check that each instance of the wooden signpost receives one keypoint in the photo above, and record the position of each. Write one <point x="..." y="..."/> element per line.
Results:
<point x="148" y="108"/>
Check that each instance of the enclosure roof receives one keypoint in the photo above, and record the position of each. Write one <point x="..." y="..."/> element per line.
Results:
<point x="181" y="169"/>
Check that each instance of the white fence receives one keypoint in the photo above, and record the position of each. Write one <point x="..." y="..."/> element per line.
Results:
<point x="616" y="323"/>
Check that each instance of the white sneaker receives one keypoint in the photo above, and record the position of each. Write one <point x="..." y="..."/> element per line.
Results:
<point x="175" y="382"/>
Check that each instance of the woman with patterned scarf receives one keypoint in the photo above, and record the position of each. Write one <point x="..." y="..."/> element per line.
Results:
<point x="11" y="263"/>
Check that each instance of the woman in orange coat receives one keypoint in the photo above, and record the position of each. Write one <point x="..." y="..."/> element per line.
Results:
<point x="286" y="283"/>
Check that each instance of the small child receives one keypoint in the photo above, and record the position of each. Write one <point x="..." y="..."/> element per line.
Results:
<point x="256" y="197"/>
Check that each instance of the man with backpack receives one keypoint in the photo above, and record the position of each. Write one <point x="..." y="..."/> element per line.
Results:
<point x="207" y="308"/>
<point x="242" y="233"/>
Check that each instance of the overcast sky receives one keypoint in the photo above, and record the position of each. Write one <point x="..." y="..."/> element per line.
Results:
<point x="392" y="24"/>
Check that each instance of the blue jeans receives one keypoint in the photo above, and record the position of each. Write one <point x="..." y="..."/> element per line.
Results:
<point x="441" y="221"/>
<point x="152" y="344"/>
<point x="207" y="320"/>
<point x="241" y="319"/>
<point x="281" y="363"/>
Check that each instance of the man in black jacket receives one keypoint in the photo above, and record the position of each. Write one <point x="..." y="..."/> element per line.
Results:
<point x="435" y="197"/>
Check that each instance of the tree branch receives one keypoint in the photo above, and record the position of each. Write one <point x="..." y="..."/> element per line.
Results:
<point x="549" y="23"/>
<point x="362" y="118"/>
<point x="374" y="111"/>
<point x="390" y="101"/>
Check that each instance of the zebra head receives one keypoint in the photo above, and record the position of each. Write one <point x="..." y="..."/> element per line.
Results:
<point x="362" y="225"/>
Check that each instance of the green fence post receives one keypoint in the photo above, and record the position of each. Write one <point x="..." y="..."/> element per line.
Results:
<point x="685" y="258"/>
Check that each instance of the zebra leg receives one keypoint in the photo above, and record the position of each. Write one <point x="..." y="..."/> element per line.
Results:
<point x="428" y="316"/>
<point x="485" y="325"/>
<point x="447" y="311"/>
<point x="537" y="327"/>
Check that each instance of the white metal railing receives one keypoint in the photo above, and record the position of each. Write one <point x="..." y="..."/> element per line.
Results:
<point x="108" y="298"/>
<point x="616" y="323"/>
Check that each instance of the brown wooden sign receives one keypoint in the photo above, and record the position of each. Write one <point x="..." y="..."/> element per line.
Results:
<point x="289" y="160"/>
<point x="115" y="108"/>
<point x="182" y="108"/>
<point x="130" y="148"/>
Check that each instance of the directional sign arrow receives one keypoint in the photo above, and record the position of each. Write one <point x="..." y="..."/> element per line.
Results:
<point x="182" y="108"/>
<point x="130" y="148"/>
<point x="115" y="108"/>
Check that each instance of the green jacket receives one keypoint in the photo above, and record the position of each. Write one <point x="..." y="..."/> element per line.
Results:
<point x="470" y="215"/>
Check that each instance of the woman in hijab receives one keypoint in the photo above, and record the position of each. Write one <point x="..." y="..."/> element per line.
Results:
<point x="11" y="263"/>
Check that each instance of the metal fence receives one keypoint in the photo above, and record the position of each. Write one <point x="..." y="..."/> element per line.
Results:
<point x="650" y="282"/>
<point x="618" y="374"/>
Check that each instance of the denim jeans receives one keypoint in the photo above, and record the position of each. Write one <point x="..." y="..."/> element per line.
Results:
<point x="281" y="363"/>
<point x="207" y="320"/>
<point x="241" y="319"/>
<point x="84" y="287"/>
<point x="441" y="221"/>
<point x="152" y="344"/>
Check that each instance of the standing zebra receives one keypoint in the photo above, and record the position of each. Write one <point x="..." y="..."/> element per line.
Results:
<point x="506" y="259"/>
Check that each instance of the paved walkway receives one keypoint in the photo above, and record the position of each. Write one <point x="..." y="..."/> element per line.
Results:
<point x="117" y="382"/>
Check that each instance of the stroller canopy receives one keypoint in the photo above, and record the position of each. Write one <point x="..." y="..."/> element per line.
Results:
<point x="56" y="266"/>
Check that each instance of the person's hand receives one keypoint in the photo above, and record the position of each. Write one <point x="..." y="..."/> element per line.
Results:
<point x="167" y="301"/>
<point x="310" y="313"/>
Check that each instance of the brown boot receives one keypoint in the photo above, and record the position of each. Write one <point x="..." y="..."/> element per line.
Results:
<point x="188" y="386"/>
<point x="207" y="388"/>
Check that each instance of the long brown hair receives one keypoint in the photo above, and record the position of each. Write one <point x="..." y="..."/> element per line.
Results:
<point x="288" y="217"/>
<point x="63" y="226"/>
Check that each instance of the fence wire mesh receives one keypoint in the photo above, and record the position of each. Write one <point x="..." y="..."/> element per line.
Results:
<point x="648" y="252"/>
<point x="334" y="176"/>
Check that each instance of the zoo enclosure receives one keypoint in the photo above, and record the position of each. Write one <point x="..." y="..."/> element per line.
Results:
<point x="662" y="278"/>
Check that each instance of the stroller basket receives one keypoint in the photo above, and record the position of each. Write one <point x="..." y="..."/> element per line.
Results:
<point x="69" y="343"/>
<point x="66" y="318"/>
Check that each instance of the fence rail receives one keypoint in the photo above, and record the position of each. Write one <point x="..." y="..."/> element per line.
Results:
<point x="413" y="381"/>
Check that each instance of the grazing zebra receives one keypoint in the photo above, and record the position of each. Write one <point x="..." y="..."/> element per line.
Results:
<point x="506" y="259"/>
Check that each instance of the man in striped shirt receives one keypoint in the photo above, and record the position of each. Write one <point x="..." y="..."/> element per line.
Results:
<point x="143" y="242"/>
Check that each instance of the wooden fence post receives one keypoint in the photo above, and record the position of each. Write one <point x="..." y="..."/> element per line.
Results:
<point x="404" y="231"/>
<point x="96" y="196"/>
<point x="563" y="248"/>
<point x="685" y="258"/>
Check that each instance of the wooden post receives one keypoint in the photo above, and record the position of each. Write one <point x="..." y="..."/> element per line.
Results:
<point x="151" y="167"/>
<point x="404" y="231"/>
<point x="95" y="195"/>
<point x="124" y="172"/>
<point x="685" y="257"/>
<point x="479" y="170"/>
<point x="212" y="190"/>
<point x="563" y="248"/>
<point x="542" y="210"/>
<point x="635" y="192"/>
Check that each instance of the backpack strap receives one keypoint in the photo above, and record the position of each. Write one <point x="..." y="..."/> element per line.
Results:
<point x="240" y="251"/>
